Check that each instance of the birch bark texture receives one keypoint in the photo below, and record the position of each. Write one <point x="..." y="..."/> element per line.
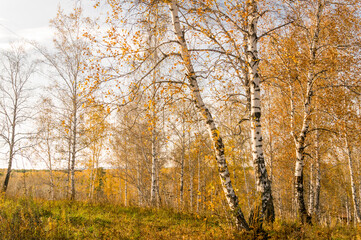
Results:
<point x="229" y="192"/>
<point x="352" y="177"/>
<point x="262" y="181"/>
<point x="318" y="177"/>
<point x="300" y="140"/>
<point x="153" y="108"/>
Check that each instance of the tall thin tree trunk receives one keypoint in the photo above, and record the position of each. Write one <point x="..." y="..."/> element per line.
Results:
<point x="318" y="177"/>
<point x="159" y="198"/>
<point x="191" y="179"/>
<point x="348" y="213"/>
<point x="301" y="205"/>
<point x="311" y="204"/>
<point x="153" y="42"/>
<point x="52" y="185"/>
<point x="153" y="187"/>
<point x="262" y="180"/>
<point x="246" y="186"/>
<point x="92" y="180"/>
<point x="8" y="172"/>
<point x="126" y="192"/>
<point x="140" y="194"/>
<point x="181" y="187"/>
<point x="199" y="194"/>
<point x="97" y="178"/>
<point x="68" y="169"/>
<point x="300" y="140"/>
<point x="191" y="174"/>
<point x="270" y="124"/>
<point x="11" y="150"/>
<point x="126" y="182"/>
<point x="51" y="175"/>
<point x="120" y="192"/>
<point x="213" y="131"/>
<point x="353" y="186"/>
<point x="74" y="144"/>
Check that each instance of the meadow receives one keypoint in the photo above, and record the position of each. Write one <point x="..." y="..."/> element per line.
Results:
<point x="27" y="218"/>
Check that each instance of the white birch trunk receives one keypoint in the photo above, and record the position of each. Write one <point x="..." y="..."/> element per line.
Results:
<point x="348" y="212"/>
<point x="120" y="184"/>
<point x="140" y="194"/>
<point x="199" y="196"/>
<point x="51" y="175"/>
<point x="74" y="142"/>
<point x="301" y="138"/>
<point x="262" y="181"/>
<point x="153" y="187"/>
<point x="312" y="192"/>
<point x="12" y="148"/>
<point x="318" y="177"/>
<point x="154" y="194"/>
<point x="181" y="187"/>
<point x="299" y="182"/>
<point x="126" y="182"/>
<point x="191" y="179"/>
<point x="191" y="175"/>
<point x="353" y="186"/>
<point x="68" y="168"/>
<point x="92" y="180"/>
<point x="231" y="197"/>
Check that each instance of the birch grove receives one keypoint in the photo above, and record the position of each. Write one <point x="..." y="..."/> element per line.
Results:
<point x="213" y="131"/>
<point x="66" y="62"/>
<point x="246" y="111"/>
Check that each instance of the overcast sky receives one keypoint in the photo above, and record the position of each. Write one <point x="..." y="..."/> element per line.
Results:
<point x="28" y="19"/>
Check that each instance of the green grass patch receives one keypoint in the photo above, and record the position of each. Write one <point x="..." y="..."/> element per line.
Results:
<point x="30" y="219"/>
<point x="35" y="219"/>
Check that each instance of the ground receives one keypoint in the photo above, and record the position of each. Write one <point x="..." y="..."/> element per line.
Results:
<point x="36" y="219"/>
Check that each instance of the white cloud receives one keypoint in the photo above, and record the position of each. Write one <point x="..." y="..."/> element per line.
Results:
<point x="40" y="34"/>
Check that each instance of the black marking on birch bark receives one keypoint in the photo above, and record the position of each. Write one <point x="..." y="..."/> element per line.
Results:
<point x="300" y="199"/>
<point x="256" y="115"/>
<point x="229" y="192"/>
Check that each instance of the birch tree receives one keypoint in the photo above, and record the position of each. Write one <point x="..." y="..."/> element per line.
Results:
<point x="315" y="70"/>
<point x="231" y="30"/>
<point x="355" y="197"/>
<point x="67" y="62"/>
<point x="45" y="141"/>
<point x="310" y="63"/>
<point x="263" y="182"/>
<point x="17" y="70"/>
<point x="96" y="127"/>
<point x="170" y="52"/>
<point x="204" y="111"/>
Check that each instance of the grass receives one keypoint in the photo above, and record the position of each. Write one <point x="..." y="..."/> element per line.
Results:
<point x="30" y="219"/>
<point x="34" y="219"/>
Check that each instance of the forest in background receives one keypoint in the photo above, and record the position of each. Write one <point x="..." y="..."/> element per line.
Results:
<point x="248" y="110"/>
